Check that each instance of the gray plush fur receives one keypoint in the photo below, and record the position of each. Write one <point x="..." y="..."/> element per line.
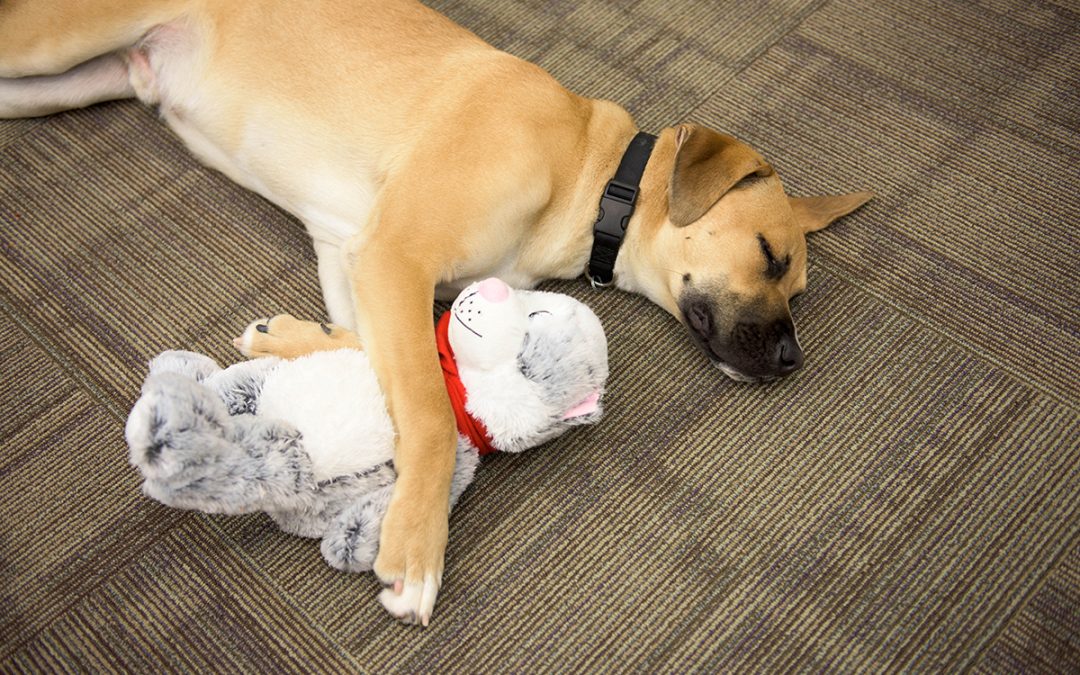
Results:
<point x="194" y="440"/>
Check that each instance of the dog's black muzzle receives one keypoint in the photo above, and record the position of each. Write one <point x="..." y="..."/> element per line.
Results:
<point x="745" y="347"/>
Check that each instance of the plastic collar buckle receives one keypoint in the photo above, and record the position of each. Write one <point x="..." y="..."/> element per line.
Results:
<point x="616" y="207"/>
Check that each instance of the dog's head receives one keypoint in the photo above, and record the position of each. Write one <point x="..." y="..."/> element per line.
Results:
<point x="723" y="248"/>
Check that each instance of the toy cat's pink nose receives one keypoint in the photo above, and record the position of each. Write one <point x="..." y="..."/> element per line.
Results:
<point x="494" y="290"/>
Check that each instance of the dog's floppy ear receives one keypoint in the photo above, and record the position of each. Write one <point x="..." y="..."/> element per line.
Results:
<point x="707" y="165"/>
<point x="815" y="213"/>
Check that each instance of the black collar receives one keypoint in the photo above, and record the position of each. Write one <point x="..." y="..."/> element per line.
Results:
<point x="616" y="207"/>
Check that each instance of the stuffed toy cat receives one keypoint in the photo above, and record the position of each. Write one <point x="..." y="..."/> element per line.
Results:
<point x="309" y="441"/>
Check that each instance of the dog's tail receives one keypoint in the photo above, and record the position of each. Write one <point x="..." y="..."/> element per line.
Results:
<point x="47" y="37"/>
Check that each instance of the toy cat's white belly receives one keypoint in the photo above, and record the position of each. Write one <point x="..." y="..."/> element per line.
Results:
<point x="334" y="399"/>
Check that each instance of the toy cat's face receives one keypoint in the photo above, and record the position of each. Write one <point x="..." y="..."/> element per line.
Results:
<point x="487" y="325"/>
<point x="533" y="363"/>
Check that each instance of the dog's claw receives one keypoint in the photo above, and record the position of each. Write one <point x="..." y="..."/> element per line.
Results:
<point x="411" y="602"/>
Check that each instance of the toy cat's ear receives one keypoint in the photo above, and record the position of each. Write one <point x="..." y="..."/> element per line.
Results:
<point x="589" y="405"/>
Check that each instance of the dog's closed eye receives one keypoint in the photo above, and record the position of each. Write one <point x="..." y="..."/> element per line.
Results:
<point x="775" y="268"/>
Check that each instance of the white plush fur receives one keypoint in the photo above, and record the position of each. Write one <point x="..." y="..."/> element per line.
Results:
<point x="333" y="399"/>
<point x="523" y="401"/>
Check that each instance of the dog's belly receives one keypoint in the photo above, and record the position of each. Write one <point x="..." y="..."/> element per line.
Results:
<point x="293" y="171"/>
<point x="287" y="169"/>
<point x="262" y="145"/>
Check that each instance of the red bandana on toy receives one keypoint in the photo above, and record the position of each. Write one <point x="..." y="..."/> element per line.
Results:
<point x="467" y="425"/>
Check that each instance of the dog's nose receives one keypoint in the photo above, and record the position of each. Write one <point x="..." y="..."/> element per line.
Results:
<point x="494" y="290"/>
<point x="788" y="353"/>
<point x="700" y="319"/>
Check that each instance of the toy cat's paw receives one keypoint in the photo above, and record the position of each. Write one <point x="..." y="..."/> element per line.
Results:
<point x="196" y="366"/>
<point x="352" y="541"/>
<point x="288" y="337"/>
<point x="167" y="424"/>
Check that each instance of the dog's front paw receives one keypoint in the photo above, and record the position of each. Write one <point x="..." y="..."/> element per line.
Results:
<point x="412" y="601"/>
<point x="288" y="337"/>
<point x="410" y="559"/>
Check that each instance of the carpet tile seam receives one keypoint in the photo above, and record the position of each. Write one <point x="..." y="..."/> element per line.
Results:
<point x="94" y="393"/>
<point x="918" y="653"/>
<point x="89" y="591"/>
<point x="758" y="54"/>
<point x="1035" y="589"/>
<point x="258" y="570"/>
<point x="854" y="521"/>
<point x="832" y="622"/>
<point x="800" y="44"/>
<point x="213" y="530"/>
<point x="982" y="112"/>
<point x="31" y="127"/>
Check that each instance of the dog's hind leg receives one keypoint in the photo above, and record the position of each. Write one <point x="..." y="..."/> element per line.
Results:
<point x="104" y="78"/>
<point x="51" y="37"/>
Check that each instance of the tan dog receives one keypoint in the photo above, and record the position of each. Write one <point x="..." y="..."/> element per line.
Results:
<point x="420" y="157"/>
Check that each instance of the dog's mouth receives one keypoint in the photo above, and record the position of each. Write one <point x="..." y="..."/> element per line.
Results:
<point x="718" y="362"/>
<point x="737" y="376"/>
<point x="748" y="351"/>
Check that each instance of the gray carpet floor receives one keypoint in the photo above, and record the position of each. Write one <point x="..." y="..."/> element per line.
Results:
<point x="908" y="501"/>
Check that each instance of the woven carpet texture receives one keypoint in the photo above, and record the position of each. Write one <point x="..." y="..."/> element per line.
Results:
<point x="910" y="500"/>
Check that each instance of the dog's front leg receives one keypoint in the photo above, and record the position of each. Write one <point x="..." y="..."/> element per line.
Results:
<point x="395" y="292"/>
